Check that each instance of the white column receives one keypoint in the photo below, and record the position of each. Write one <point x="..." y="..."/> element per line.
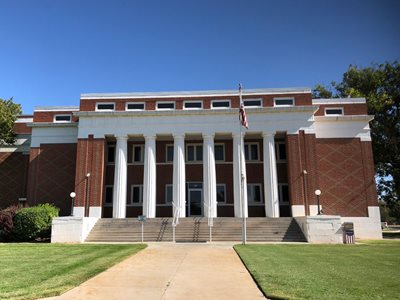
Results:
<point x="120" y="177"/>
<point x="237" y="155"/>
<point x="209" y="177"/>
<point x="271" y="197"/>
<point x="149" y="177"/>
<point x="179" y="178"/>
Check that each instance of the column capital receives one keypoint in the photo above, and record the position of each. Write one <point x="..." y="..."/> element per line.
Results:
<point x="237" y="134"/>
<point x="178" y="136"/>
<point x="149" y="136"/>
<point x="268" y="134"/>
<point x="122" y="137"/>
<point x="208" y="135"/>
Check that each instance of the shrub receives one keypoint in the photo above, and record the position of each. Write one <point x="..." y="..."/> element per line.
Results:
<point x="6" y="221"/>
<point x="34" y="222"/>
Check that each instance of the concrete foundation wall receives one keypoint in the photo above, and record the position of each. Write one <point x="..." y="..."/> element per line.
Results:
<point x="71" y="229"/>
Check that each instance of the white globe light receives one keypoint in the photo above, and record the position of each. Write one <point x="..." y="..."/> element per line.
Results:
<point x="72" y="195"/>
<point x="317" y="192"/>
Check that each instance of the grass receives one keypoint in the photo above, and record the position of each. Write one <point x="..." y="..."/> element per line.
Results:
<point x="30" y="271"/>
<point x="364" y="271"/>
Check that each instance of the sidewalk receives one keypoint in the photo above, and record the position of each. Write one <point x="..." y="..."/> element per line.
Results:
<point x="173" y="271"/>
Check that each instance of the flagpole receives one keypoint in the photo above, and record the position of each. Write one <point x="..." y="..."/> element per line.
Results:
<point x="241" y="196"/>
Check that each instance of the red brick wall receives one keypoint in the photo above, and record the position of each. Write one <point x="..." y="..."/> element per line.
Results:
<point x="13" y="177"/>
<point x="90" y="159"/>
<point x="51" y="175"/>
<point x="348" y="109"/>
<point x="346" y="176"/>
<point x="48" y="116"/>
<point x="90" y="104"/>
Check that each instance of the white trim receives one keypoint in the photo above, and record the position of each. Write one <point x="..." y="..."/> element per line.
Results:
<point x="216" y="198"/>
<point x="220" y="101"/>
<point x="140" y="203"/>
<point x="104" y="103"/>
<point x="135" y="109"/>
<point x="181" y="94"/>
<point x="284" y="98"/>
<point x="347" y="118"/>
<point x="165" y="102"/>
<point x="333" y="108"/>
<point x="339" y="101"/>
<point x="23" y="120"/>
<point x="62" y="121"/>
<point x="193" y="101"/>
<point x="56" y="108"/>
<point x="253" y="99"/>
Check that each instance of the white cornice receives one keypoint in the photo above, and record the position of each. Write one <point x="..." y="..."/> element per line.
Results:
<point x="51" y="124"/>
<point x="338" y="101"/>
<point x="185" y="94"/>
<point x="356" y="118"/>
<point x="56" y="108"/>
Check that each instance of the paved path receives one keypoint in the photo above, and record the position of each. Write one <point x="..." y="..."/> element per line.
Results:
<point x="173" y="271"/>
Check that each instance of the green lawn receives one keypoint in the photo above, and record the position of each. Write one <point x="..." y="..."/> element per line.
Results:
<point x="363" y="271"/>
<point x="29" y="271"/>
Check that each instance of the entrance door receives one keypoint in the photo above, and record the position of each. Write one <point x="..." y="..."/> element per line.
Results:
<point x="195" y="202"/>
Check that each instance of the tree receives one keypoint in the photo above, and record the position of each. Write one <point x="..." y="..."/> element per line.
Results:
<point x="8" y="114"/>
<point x="380" y="85"/>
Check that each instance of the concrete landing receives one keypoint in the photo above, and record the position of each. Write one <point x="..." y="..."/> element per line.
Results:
<point x="173" y="271"/>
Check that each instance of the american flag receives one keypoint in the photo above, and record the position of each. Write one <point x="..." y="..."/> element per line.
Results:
<point x="242" y="111"/>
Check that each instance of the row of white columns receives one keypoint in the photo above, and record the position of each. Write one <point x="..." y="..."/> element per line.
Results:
<point x="209" y="177"/>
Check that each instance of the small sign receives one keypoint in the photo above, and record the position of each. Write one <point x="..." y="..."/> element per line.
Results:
<point x="142" y="218"/>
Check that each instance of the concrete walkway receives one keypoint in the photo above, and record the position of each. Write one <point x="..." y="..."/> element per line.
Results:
<point x="173" y="271"/>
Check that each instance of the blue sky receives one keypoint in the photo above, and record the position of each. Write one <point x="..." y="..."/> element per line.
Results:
<point x="52" y="51"/>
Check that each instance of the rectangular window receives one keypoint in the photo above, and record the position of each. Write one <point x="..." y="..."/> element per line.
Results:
<point x="105" y="106"/>
<point x="194" y="153"/>
<point x="252" y="102"/>
<point x="165" y="105"/>
<point x="135" y="106"/>
<point x="251" y="151"/>
<point x="111" y="154"/>
<point x="108" y="197"/>
<point x="334" y="111"/>
<point x="138" y="154"/>
<point x="283" y="101"/>
<point x="220" y="103"/>
<point x="283" y="189"/>
<point x="221" y="193"/>
<point x="169" y="153"/>
<point x="219" y="152"/>
<point x="280" y="151"/>
<point x="193" y="104"/>
<point x="168" y="194"/>
<point x="62" y="119"/>
<point x="254" y="193"/>
<point x="136" y="195"/>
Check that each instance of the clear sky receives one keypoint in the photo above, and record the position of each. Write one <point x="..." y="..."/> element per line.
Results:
<point x="52" y="51"/>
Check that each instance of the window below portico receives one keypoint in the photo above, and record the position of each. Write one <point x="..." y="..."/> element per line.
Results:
<point x="194" y="152"/>
<point x="254" y="193"/>
<point x="108" y="195"/>
<point x="283" y="191"/>
<point x="251" y="152"/>
<point x="136" y="195"/>
<point x="138" y="154"/>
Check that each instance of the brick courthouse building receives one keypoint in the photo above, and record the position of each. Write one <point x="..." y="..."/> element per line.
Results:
<point x="130" y="154"/>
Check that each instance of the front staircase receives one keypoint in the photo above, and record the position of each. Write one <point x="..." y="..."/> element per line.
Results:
<point x="196" y="230"/>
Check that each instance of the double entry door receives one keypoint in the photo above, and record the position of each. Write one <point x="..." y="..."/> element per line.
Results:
<point x="195" y="199"/>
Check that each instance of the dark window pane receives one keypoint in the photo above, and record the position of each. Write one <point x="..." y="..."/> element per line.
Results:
<point x="105" y="106"/>
<point x="170" y="153"/>
<point x="220" y="193"/>
<point x="136" y="195"/>
<point x="220" y="104"/>
<point x="199" y="153"/>
<point x="334" y="111"/>
<point x="257" y="193"/>
<point x="167" y="105"/>
<point x="282" y="151"/>
<point x="190" y="153"/>
<point x="137" y="154"/>
<point x="109" y="195"/>
<point x="283" y="101"/>
<point x="168" y="193"/>
<point x="136" y="106"/>
<point x="192" y="104"/>
<point x="63" y="118"/>
<point x="111" y="154"/>
<point x="252" y="102"/>
<point x="219" y="152"/>
<point x="254" y="152"/>
<point x="285" y="193"/>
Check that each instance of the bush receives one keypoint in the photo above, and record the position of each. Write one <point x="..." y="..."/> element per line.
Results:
<point x="34" y="222"/>
<point x="6" y="221"/>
